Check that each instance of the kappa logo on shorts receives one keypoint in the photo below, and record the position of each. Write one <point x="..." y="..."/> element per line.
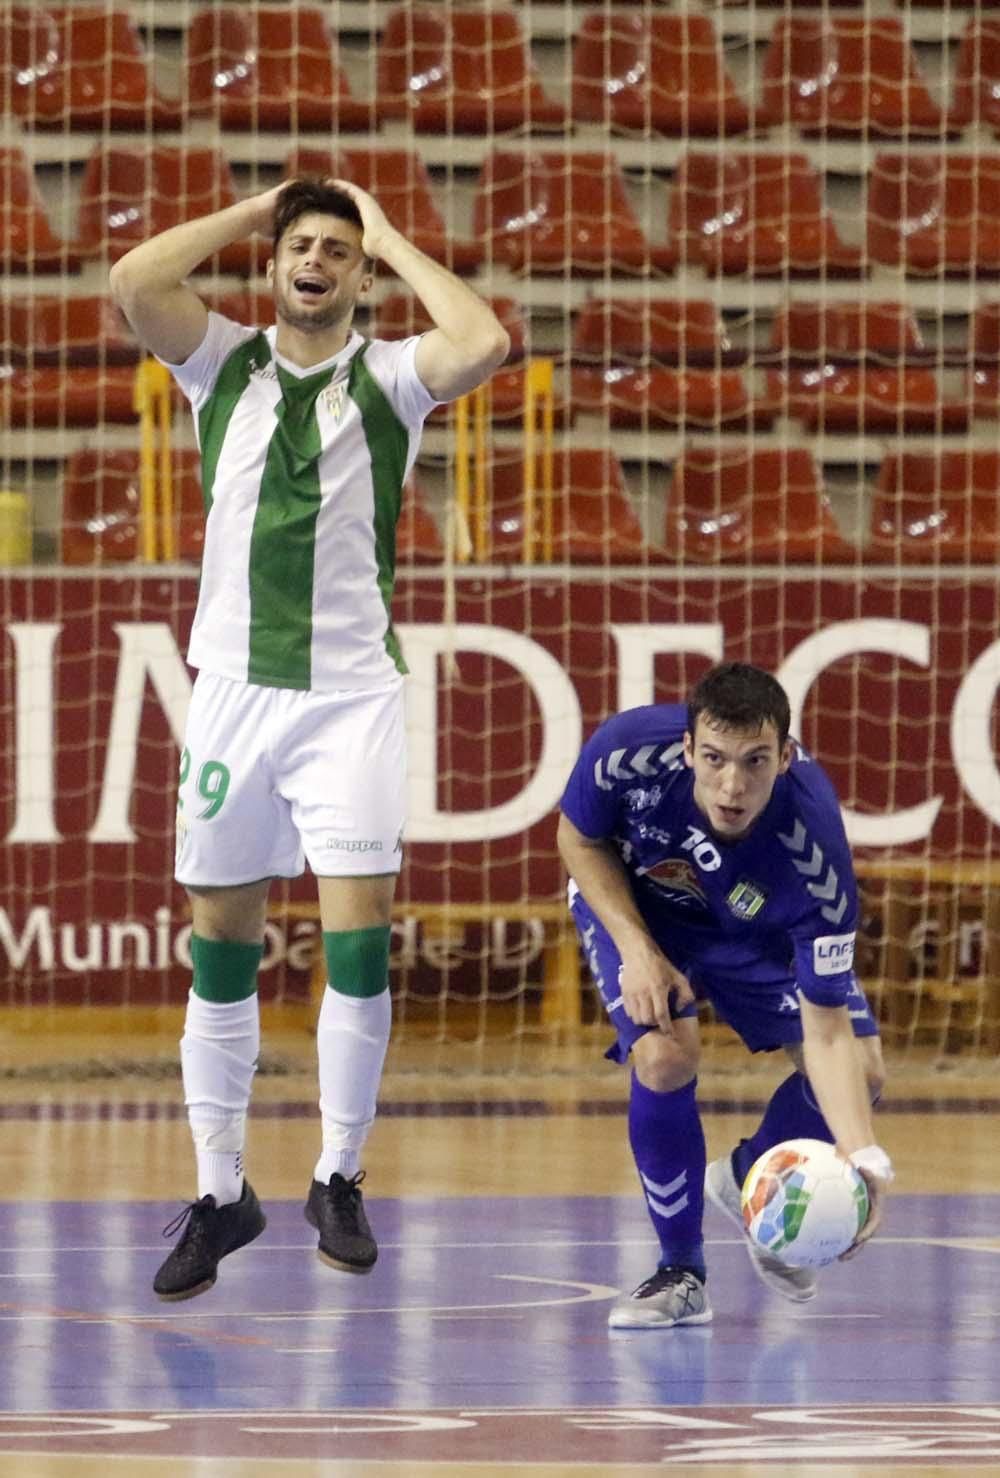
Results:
<point x="352" y="844"/>
<point x="746" y="900"/>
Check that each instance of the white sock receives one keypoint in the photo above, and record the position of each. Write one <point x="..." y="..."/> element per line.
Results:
<point x="219" y="1052"/>
<point x="351" y="1041"/>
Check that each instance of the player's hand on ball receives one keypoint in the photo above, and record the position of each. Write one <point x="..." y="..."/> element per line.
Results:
<point x="876" y="1191"/>
<point x="648" y="981"/>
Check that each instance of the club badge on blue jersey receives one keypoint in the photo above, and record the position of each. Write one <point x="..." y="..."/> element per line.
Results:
<point x="746" y="900"/>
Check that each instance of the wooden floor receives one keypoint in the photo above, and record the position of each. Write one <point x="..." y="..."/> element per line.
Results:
<point x="527" y="1144"/>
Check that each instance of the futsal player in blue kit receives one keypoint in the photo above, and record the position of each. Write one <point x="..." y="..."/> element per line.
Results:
<point x="708" y="860"/>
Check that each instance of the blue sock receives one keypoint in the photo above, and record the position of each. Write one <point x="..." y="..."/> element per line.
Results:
<point x="669" y="1148"/>
<point x="791" y="1114"/>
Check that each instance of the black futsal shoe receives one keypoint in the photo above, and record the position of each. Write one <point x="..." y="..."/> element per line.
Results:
<point x="212" y="1232"/>
<point x="345" y="1238"/>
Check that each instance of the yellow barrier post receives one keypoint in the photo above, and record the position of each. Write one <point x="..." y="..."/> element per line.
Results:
<point x="538" y="390"/>
<point x="151" y="399"/>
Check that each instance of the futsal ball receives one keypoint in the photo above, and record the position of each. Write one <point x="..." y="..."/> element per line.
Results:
<point x="803" y="1203"/>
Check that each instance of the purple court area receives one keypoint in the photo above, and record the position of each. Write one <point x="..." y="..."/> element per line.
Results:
<point x="481" y="1335"/>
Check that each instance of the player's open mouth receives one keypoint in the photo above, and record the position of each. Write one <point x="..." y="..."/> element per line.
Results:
<point x="310" y="287"/>
<point x="732" y="814"/>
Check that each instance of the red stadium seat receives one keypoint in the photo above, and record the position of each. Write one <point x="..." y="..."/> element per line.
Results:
<point x="129" y="195"/>
<point x="850" y="367"/>
<point x="593" y="521"/>
<point x="101" y="507"/>
<point x="460" y="71"/>
<point x="930" y="214"/>
<point x="983" y="378"/>
<point x="937" y="507"/>
<point x="66" y="362"/>
<point x="399" y="181"/>
<point x="756" y="213"/>
<point x="27" y="241"/>
<point x="81" y="67"/>
<point x="269" y="68"/>
<point x="659" y="73"/>
<point x="400" y="315"/>
<point x="548" y="212"/>
<point x="741" y="506"/>
<point x="647" y="362"/>
<point x="975" y="98"/>
<point x="418" y="540"/>
<point x="845" y="76"/>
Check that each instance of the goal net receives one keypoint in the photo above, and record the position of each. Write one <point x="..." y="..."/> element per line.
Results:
<point x="747" y="256"/>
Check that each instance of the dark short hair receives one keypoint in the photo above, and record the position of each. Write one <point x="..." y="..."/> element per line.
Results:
<point x="735" y="695"/>
<point x="304" y="195"/>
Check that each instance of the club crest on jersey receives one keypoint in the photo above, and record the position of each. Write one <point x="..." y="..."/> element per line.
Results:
<point x="333" y="401"/>
<point x="746" y="900"/>
<point x="675" y="875"/>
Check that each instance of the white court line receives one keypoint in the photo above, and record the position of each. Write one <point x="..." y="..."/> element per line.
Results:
<point x="591" y="1293"/>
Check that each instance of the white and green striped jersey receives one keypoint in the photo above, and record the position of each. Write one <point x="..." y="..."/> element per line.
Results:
<point x="302" y="475"/>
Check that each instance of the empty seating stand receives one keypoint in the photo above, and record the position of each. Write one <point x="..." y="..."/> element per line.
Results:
<point x="101" y="501"/>
<point x="755" y="213"/>
<point x="931" y="214"/>
<point x="130" y="194"/>
<point x="983" y="373"/>
<point x="593" y="521"/>
<point x="858" y="367"/>
<point x="461" y="70"/>
<point x="418" y="540"/>
<point x="269" y="68"/>
<point x="937" y="507"/>
<point x="654" y="72"/>
<point x="660" y="361"/>
<point x="81" y="67"/>
<point x="399" y="180"/>
<point x="66" y="362"/>
<point x="975" y="99"/>
<point x="554" y="212"/>
<point x="845" y="75"/>
<point x="737" y="506"/>
<point x="399" y="315"/>
<point x="27" y="241"/>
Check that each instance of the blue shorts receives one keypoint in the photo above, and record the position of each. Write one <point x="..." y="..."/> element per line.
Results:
<point x="764" y="1013"/>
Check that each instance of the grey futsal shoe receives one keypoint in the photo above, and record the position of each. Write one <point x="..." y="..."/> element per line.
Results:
<point x="345" y="1238"/>
<point x="797" y="1284"/>
<point x="671" y="1296"/>
<point x="211" y="1233"/>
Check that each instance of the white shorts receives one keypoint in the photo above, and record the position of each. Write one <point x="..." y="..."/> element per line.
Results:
<point x="272" y="776"/>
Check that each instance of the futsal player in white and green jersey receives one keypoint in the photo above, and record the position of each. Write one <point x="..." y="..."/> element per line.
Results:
<point x="294" y="748"/>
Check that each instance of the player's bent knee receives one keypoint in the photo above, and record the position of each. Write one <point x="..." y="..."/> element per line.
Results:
<point x="665" y="1063"/>
<point x="357" y="960"/>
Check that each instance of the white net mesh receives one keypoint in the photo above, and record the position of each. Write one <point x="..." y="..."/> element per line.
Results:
<point x="758" y="247"/>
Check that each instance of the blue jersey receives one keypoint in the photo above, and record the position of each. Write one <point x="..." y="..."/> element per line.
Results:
<point x="776" y="905"/>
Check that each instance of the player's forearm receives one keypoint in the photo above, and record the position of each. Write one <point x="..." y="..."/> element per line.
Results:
<point x="598" y="872"/>
<point x="163" y="262"/>
<point x="460" y="314"/>
<point x="837" y="1077"/>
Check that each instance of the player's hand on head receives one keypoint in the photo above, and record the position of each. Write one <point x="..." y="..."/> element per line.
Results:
<point x="373" y="217"/>
<point x="263" y="208"/>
